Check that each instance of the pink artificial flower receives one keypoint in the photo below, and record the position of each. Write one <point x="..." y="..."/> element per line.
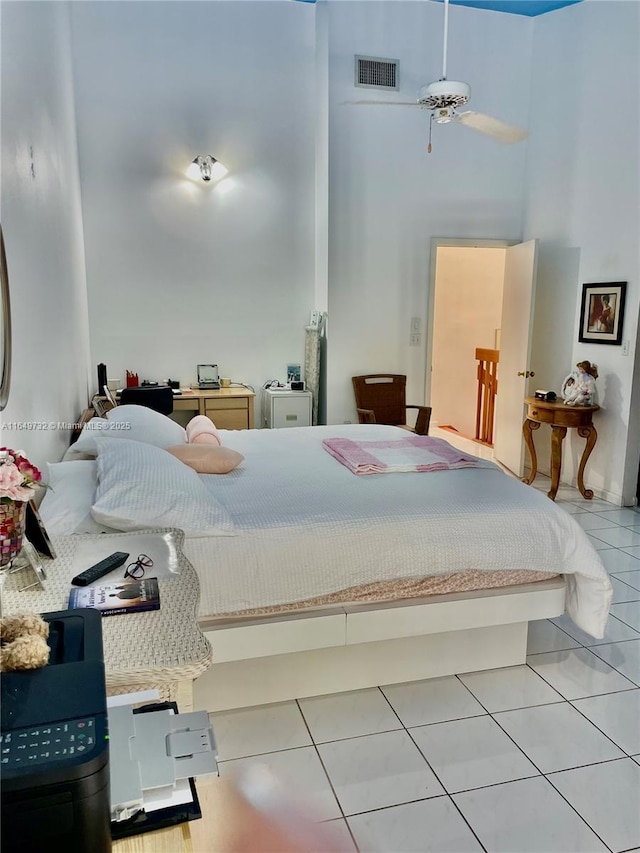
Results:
<point x="18" y="493"/>
<point x="9" y="476"/>
<point x="18" y="477"/>
<point x="30" y="471"/>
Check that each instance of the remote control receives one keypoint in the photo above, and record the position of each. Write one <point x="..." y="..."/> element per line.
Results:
<point x="102" y="568"/>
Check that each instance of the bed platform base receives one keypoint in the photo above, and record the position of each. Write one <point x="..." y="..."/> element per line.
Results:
<point x="358" y="646"/>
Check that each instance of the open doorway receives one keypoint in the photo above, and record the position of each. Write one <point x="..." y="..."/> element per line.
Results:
<point x="466" y="315"/>
<point x="515" y="323"/>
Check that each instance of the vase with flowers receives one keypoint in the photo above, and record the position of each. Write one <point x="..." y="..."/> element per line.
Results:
<point x="19" y="481"/>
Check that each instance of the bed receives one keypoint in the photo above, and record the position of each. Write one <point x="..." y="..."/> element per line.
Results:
<point x="318" y="580"/>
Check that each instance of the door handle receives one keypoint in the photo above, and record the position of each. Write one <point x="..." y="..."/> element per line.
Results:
<point x="526" y="373"/>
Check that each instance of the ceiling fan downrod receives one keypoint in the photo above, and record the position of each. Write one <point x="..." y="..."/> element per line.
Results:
<point x="445" y="39"/>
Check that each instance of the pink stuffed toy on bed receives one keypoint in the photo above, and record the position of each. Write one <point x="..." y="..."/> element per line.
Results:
<point x="202" y="430"/>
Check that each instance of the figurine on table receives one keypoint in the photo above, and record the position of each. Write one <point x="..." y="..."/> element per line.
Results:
<point x="579" y="388"/>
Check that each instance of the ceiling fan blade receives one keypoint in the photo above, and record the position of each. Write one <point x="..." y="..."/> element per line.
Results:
<point x="387" y="103"/>
<point x="498" y="130"/>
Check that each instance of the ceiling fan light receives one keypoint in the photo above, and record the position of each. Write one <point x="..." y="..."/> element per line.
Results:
<point x="444" y="115"/>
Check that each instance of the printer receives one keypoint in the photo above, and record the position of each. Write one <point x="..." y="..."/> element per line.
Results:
<point x="54" y="744"/>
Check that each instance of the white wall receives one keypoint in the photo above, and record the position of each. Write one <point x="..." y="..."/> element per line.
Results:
<point x="181" y="273"/>
<point x="43" y="229"/>
<point x="388" y="197"/>
<point x="583" y="192"/>
<point x="467" y="314"/>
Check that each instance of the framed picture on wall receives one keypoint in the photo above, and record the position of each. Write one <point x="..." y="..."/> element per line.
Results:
<point x="602" y="312"/>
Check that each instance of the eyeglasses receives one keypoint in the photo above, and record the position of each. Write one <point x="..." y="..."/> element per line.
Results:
<point x="137" y="569"/>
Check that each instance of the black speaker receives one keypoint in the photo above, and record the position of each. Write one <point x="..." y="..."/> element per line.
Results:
<point x="102" y="377"/>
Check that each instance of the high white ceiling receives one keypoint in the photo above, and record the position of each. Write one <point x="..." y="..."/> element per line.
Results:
<point x="529" y="8"/>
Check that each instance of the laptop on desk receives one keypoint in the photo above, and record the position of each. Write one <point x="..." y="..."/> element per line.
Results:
<point x="208" y="377"/>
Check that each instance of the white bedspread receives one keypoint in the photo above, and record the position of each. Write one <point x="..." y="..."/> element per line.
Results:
<point x="307" y="527"/>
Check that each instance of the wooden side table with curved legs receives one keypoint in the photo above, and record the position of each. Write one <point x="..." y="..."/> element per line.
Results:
<point x="560" y="417"/>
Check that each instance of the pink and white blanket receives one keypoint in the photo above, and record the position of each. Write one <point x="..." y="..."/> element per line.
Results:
<point x="414" y="453"/>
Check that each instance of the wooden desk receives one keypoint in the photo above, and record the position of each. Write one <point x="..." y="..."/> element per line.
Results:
<point x="230" y="824"/>
<point x="198" y="836"/>
<point x="228" y="408"/>
<point x="174" y="839"/>
<point x="560" y="417"/>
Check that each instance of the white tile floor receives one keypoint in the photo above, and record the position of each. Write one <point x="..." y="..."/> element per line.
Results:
<point x="527" y="759"/>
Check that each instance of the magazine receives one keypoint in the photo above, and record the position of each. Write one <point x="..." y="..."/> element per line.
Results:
<point x="126" y="596"/>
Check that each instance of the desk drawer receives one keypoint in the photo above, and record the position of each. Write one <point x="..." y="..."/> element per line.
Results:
<point x="186" y="404"/>
<point x="544" y="416"/>
<point x="573" y="417"/>
<point x="229" y="418"/>
<point x="226" y="403"/>
<point x="232" y="413"/>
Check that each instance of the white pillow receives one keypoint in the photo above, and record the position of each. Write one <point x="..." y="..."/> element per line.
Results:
<point x="66" y="506"/>
<point x="85" y="446"/>
<point x="142" y="486"/>
<point x="134" y="423"/>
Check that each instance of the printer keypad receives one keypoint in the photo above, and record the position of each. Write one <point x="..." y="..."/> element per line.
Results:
<point x="45" y="744"/>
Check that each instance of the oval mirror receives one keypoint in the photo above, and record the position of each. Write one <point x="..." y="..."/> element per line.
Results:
<point x="5" y="328"/>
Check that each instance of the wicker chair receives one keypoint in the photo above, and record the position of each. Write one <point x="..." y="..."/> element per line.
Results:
<point x="381" y="399"/>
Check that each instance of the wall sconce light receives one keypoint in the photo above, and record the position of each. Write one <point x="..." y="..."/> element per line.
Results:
<point x="206" y="167"/>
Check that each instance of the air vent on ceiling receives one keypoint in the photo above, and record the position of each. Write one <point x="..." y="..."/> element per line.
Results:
<point x="375" y="73"/>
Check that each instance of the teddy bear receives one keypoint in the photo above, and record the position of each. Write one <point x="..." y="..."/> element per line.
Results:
<point x="579" y="388"/>
<point x="23" y="642"/>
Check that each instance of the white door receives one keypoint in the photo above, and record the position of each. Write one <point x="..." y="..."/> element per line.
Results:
<point x="514" y="372"/>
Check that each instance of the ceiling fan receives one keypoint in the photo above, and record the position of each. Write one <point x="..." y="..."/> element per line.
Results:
<point x="444" y="97"/>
